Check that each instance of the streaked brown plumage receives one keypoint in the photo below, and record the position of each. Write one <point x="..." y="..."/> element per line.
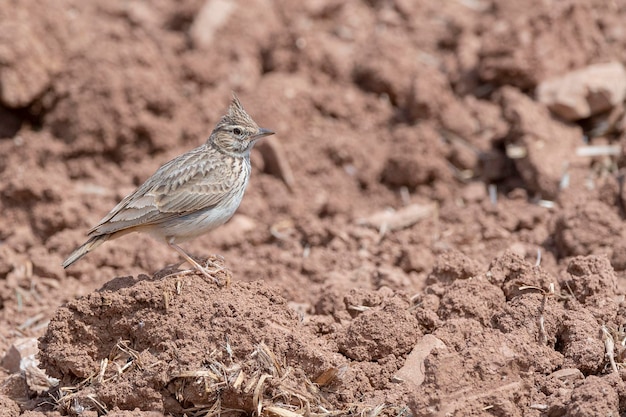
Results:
<point x="190" y="195"/>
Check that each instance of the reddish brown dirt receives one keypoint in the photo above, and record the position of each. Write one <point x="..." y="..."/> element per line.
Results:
<point x="419" y="238"/>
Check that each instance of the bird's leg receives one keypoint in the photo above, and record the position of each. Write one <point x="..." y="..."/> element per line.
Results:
<point x="195" y="264"/>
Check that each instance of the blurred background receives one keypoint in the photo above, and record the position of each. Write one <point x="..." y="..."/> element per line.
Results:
<point x="405" y="129"/>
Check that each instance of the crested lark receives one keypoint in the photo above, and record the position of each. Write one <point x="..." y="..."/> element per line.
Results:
<point x="190" y="195"/>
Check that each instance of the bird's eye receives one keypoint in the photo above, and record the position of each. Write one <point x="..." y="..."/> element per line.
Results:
<point x="237" y="131"/>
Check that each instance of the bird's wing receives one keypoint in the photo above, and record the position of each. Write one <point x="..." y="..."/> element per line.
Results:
<point x="187" y="184"/>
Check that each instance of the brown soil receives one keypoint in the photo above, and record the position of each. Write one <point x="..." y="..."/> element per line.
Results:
<point x="421" y="237"/>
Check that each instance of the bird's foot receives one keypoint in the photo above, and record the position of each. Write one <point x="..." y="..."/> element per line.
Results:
<point x="211" y="274"/>
<point x="208" y="273"/>
<point x="211" y="268"/>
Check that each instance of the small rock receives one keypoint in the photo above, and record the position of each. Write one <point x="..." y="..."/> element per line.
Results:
<point x="389" y="220"/>
<point x="21" y="358"/>
<point x="21" y="349"/>
<point x="568" y="374"/>
<point x="275" y="160"/>
<point x="413" y="369"/>
<point x="585" y="92"/>
<point x="36" y="378"/>
<point x="541" y="147"/>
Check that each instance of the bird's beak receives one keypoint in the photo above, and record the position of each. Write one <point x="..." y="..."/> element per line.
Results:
<point x="262" y="133"/>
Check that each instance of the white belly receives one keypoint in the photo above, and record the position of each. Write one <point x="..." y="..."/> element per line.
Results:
<point x="193" y="225"/>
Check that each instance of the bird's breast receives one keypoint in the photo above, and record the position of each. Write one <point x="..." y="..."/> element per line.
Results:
<point x="194" y="224"/>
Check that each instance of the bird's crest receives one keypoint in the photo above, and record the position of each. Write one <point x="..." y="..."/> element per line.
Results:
<point x="236" y="115"/>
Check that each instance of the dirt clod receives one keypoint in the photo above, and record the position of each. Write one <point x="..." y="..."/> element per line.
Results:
<point x="436" y="228"/>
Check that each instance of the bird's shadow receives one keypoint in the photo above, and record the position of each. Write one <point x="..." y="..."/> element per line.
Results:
<point x="129" y="281"/>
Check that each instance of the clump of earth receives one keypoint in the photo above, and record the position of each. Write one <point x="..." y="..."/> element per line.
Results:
<point x="437" y="227"/>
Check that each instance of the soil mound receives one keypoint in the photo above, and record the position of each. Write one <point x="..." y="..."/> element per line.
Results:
<point x="437" y="227"/>
<point x="179" y="344"/>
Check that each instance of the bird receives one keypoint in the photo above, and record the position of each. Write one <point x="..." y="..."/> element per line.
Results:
<point x="190" y="195"/>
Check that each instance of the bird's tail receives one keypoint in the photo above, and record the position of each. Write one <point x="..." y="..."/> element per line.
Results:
<point x="85" y="248"/>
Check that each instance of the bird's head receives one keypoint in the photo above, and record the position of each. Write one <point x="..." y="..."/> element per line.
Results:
<point x="236" y="133"/>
